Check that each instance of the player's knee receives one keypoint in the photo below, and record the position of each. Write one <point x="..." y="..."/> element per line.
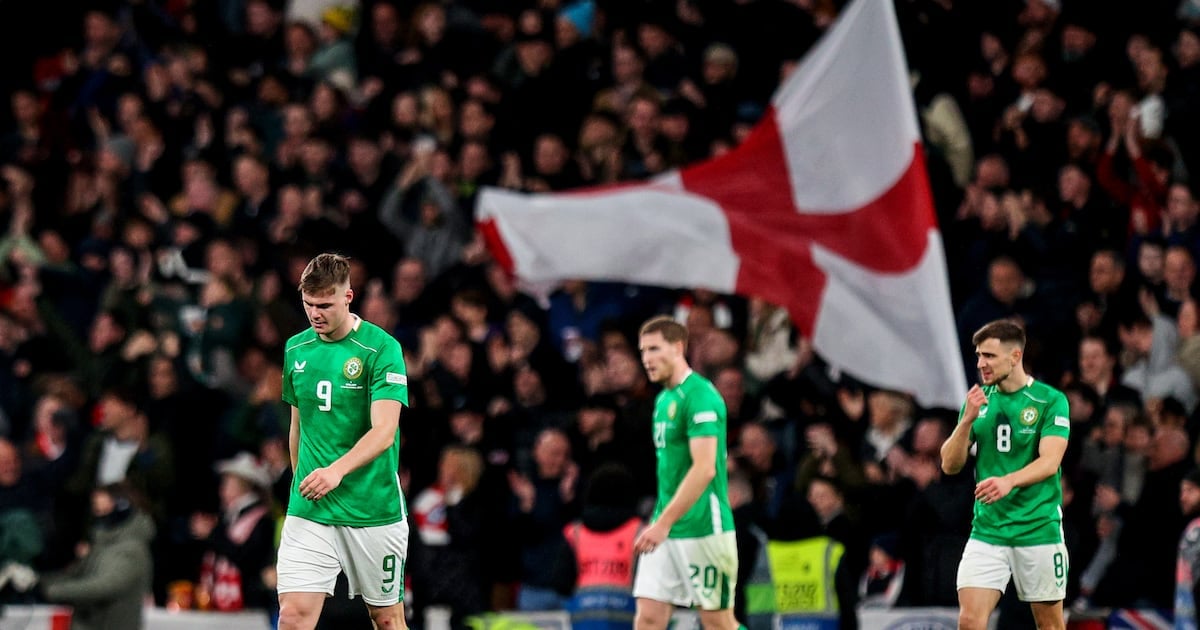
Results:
<point x="972" y="620"/>
<point x="718" y="620"/>
<point x="296" y="616"/>
<point x="649" y="620"/>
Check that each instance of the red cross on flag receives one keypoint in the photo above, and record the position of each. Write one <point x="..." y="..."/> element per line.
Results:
<point x="825" y="209"/>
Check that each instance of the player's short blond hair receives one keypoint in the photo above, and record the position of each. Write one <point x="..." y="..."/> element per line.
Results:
<point x="324" y="274"/>
<point x="671" y="330"/>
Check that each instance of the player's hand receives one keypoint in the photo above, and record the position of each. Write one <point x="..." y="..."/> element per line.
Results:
<point x="650" y="538"/>
<point x="993" y="489"/>
<point x="976" y="399"/>
<point x="319" y="483"/>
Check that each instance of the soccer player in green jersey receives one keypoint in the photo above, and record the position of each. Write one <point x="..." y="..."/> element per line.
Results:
<point x="346" y="383"/>
<point x="1019" y="428"/>
<point x="689" y="551"/>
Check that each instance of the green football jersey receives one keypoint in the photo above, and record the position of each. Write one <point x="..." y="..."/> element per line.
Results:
<point x="693" y="409"/>
<point x="333" y="383"/>
<point x="1007" y="435"/>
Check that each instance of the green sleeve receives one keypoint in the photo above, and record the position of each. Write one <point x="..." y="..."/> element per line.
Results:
<point x="289" y="394"/>
<point x="705" y="414"/>
<point x="389" y="379"/>
<point x="1057" y="419"/>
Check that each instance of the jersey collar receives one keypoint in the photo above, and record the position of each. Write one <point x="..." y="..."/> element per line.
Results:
<point x="686" y="374"/>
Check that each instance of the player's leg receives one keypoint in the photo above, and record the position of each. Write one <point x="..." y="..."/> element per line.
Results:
<point x="718" y="619"/>
<point x="712" y="566"/>
<point x="975" y="606"/>
<point x="375" y="559"/>
<point x="652" y="614"/>
<point x="661" y="584"/>
<point x="983" y="574"/>
<point x="300" y="611"/>
<point x="1048" y="615"/>
<point x="1040" y="577"/>
<point x="307" y="570"/>
<point x="387" y="617"/>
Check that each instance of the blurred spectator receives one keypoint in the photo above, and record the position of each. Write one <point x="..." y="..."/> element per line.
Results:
<point x="827" y="457"/>
<point x="1179" y="274"/>
<point x="333" y="60"/>
<point x="125" y="449"/>
<point x="770" y="347"/>
<point x="933" y="532"/>
<point x="883" y="581"/>
<point x="420" y="212"/>
<point x="741" y="407"/>
<point x="751" y="539"/>
<point x="1150" y="342"/>
<point x="602" y="438"/>
<point x="889" y="414"/>
<point x="1111" y="290"/>
<point x="1007" y="295"/>
<point x="238" y="568"/>
<point x="728" y="312"/>
<point x="1188" y="322"/>
<point x="1151" y="252"/>
<point x="446" y="544"/>
<point x="758" y="455"/>
<point x="577" y="310"/>
<point x="106" y="587"/>
<point x="601" y="543"/>
<point x="628" y="67"/>
<point x="1146" y="194"/>
<point x="545" y="501"/>
<point x="52" y="450"/>
<point x="1187" y="565"/>
<point x="827" y="501"/>
<point x="1098" y="370"/>
<point x="24" y="514"/>
<point x="1104" y="448"/>
<point x="1182" y="218"/>
<point x="1150" y="529"/>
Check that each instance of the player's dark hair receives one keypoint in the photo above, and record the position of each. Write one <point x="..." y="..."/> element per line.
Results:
<point x="671" y="330"/>
<point x="1002" y="330"/>
<point x="324" y="274"/>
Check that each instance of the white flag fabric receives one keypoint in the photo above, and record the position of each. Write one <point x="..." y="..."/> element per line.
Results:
<point x="825" y="209"/>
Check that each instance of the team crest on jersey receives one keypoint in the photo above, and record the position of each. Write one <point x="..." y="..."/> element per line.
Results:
<point x="1028" y="416"/>
<point x="671" y="410"/>
<point x="353" y="368"/>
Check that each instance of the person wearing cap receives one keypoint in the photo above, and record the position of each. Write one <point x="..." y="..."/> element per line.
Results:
<point x="238" y="568"/>
<point x="346" y="382"/>
<point x="334" y="60"/>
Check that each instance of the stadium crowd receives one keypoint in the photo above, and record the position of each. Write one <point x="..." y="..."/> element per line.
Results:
<point x="170" y="166"/>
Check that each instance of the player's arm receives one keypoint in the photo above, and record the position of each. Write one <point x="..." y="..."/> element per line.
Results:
<point x="704" y="467"/>
<point x="1051" y="449"/>
<point x="1050" y="453"/>
<point x="385" y="421"/>
<point x="294" y="438"/>
<point x="956" y="448"/>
